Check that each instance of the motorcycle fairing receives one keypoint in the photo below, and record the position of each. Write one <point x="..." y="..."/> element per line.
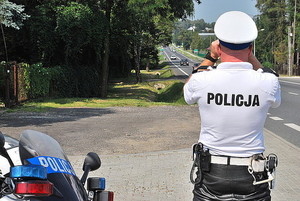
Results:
<point x="35" y="146"/>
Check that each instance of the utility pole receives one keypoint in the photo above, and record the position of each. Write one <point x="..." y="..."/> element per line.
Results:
<point x="289" y="50"/>
<point x="294" y="23"/>
<point x="293" y="37"/>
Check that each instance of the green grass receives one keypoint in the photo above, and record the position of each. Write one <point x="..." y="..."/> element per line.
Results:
<point x="172" y="94"/>
<point x="163" y="72"/>
<point x="121" y="94"/>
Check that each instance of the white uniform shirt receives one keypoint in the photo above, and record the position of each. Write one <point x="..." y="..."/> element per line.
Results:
<point x="233" y="102"/>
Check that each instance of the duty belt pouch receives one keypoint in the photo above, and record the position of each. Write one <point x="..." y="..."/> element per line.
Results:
<point x="257" y="168"/>
<point x="258" y="163"/>
<point x="202" y="161"/>
<point x="205" y="160"/>
<point x="196" y="164"/>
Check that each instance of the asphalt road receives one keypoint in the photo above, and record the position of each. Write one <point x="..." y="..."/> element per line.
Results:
<point x="117" y="130"/>
<point x="183" y="71"/>
<point x="285" y="120"/>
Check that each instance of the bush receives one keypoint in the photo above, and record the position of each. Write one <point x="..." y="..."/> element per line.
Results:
<point x="61" y="84"/>
<point x="82" y="81"/>
<point x="267" y="64"/>
<point x="37" y="80"/>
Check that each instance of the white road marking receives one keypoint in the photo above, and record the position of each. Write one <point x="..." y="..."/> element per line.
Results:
<point x="177" y="66"/>
<point x="290" y="82"/>
<point x="276" y="118"/>
<point x="292" y="93"/>
<point x="293" y="126"/>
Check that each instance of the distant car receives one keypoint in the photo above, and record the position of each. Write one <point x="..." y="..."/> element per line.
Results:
<point x="173" y="57"/>
<point x="184" y="62"/>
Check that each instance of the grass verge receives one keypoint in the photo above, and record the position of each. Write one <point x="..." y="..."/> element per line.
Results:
<point x="154" y="91"/>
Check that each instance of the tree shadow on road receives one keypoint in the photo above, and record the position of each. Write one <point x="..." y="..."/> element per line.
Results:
<point x="53" y="115"/>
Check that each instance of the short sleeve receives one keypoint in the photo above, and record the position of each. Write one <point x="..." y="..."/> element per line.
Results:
<point x="277" y="95"/>
<point x="189" y="91"/>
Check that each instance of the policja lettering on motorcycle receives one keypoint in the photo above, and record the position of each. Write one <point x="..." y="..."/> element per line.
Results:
<point x="53" y="164"/>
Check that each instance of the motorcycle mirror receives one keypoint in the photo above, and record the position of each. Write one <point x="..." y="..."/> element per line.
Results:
<point x="2" y="140"/>
<point x="91" y="162"/>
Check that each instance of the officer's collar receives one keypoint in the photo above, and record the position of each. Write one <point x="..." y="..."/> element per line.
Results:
<point x="235" y="65"/>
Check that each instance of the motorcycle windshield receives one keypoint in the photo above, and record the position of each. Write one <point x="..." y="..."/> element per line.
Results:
<point x="40" y="149"/>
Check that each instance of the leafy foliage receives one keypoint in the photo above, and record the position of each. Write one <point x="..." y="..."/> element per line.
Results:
<point x="74" y="39"/>
<point x="275" y="18"/>
<point x="80" y="29"/>
<point x="45" y="40"/>
<point x="37" y="80"/>
<point x="11" y="14"/>
<point x="272" y="31"/>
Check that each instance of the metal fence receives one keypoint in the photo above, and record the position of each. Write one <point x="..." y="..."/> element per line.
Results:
<point x="13" y="85"/>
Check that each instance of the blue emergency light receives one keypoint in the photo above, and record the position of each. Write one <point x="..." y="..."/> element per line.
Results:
<point x="33" y="171"/>
<point x="96" y="183"/>
<point x="102" y="183"/>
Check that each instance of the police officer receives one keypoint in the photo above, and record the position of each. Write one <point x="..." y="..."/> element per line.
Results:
<point x="233" y="102"/>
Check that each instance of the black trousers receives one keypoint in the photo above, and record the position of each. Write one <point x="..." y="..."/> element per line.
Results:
<point x="228" y="182"/>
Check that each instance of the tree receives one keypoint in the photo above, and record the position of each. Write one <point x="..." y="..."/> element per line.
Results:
<point x="11" y="15"/>
<point x="183" y="8"/>
<point x="105" y="65"/>
<point x="272" y="31"/>
<point x="197" y="42"/>
<point x="186" y="38"/>
<point x="141" y="12"/>
<point x="83" y="31"/>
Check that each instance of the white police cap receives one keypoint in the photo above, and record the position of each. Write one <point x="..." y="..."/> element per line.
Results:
<point x="235" y="27"/>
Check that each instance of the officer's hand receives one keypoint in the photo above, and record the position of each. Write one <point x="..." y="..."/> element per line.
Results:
<point x="253" y="60"/>
<point x="215" y="49"/>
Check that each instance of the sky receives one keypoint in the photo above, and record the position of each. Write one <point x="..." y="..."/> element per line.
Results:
<point x="210" y="10"/>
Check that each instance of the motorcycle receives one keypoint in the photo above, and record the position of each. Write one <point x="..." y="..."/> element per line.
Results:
<point x="35" y="168"/>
